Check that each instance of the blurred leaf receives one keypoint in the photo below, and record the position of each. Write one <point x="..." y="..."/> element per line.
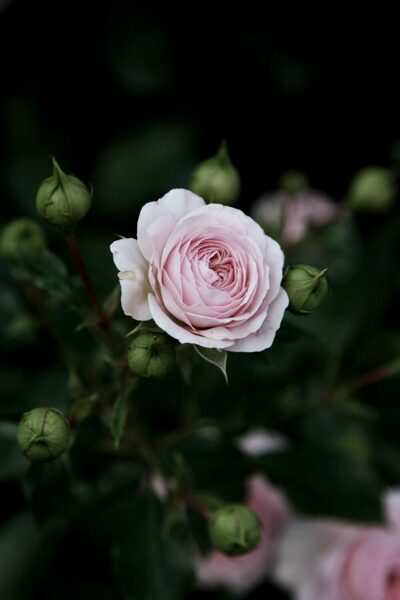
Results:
<point x="148" y="565"/>
<point x="12" y="464"/>
<point x="118" y="418"/>
<point x="321" y="482"/>
<point x="141" y="167"/>
<point x="19" y="543"/>
<point x="218" y="358"/>
<point x="47" y="272"/>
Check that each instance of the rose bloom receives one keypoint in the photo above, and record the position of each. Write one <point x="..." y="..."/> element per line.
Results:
<point x="207" y="274"/>
<point x="241" y="573"/>
<point x="295" y="215"/>
<point x="333" y="561"/>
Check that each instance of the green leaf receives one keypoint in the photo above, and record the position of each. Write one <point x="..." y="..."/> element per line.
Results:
<point x="48" y="273"/>
<point x="148" y="564"/>
<point x="118" y="418"/>
<point x="214" y="356"/>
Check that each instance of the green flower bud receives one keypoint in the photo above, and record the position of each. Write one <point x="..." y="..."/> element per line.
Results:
<point x="306" y="287"/>
<point x="372" y="189"/>
<point x="216" y="179"/>
<point x="19" y="236"/>
<point x="43" y="434"/>
<point x="151" y="354"/>
<point x="62" y="200"/>
<point x="234" y="529"/>
<point x="293" y="182"/>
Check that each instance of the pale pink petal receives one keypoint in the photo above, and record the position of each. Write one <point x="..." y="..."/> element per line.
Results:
<point x="176" y="204"/>
<point x="133" y="278"/>
<point x="264" y="337"/>
<point x="180" y="333"/>
<point x="392" y="507"/>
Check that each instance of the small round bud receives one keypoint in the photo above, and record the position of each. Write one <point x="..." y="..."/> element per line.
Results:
<point x="43" y="434"/>
<point x="293" y="182"/>
<point x="151" y="355"/>
<point x="234" y="529"/>
<point x="62" y="200"/>
<point x="372" y="189"/>
<point x="216" y="179"/>
<point x="19" y="236"/>
<point x="306" y="287"/>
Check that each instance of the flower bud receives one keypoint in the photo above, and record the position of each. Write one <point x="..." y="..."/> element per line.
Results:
<point x="216" y="179"/>
<point x="19" y="236"/>
<point x="372" y="189"/>
<point x="306" y="287"/>
<point x="151" y="354"/>
<point x="62" y="200"/>
<point x="234" y="529"/>
<point x="293" y="182"/>
<point x="43" y="434"/>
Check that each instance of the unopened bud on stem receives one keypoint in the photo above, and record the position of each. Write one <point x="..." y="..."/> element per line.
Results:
<point x="21" y="235"/>
<point x="151" y="354"/>
<point x="43" y="434"/>
<point x="234" y="529"/>
<point x="62" y="200"/>
<point x="216" y="179"/>
<point x="306" y="287"/>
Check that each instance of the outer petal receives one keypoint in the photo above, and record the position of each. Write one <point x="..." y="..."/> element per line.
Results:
<point x="183" y="335"/>
<point x="176" y="204"/>
<point x="133" y="278"/>
<point x="264" y="337"/>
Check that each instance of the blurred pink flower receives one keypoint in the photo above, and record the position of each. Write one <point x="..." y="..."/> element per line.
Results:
<point x="295" y="215"/>
<point x="327" y="560"/>
<point x="258" y="441"/>
<point x="240" y="574"/>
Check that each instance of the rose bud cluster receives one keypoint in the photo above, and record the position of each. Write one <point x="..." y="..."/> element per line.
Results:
<point x="62" y="200"/>
<point x="216" y="179"/>
<point x="43" y="434"/>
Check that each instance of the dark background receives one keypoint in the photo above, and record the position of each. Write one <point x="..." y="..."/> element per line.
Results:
<point x="131" y="97"/>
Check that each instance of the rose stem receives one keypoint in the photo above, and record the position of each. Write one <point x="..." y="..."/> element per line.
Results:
<point x="378" y="374"/>
<point x="102" y="320"/>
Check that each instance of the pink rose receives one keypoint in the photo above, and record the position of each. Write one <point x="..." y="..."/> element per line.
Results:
<point x="336" y="561"/>
<point x="206" y="274"/>
<point x="241" y="573"/>
<point x="295" y="215"/>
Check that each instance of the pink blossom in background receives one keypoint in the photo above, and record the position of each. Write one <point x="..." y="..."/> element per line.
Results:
<point x="240" y="574"/>
<point x="258" y="441"/>
<point x="207" y="274"/>
<point x="327" y="560"/>
<point x="295" y="215"/>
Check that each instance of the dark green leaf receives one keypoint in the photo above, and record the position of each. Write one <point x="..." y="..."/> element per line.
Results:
<point x="118" y="418"/>
<point x="148" y="564"/>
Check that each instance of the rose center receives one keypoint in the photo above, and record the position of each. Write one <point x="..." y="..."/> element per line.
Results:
<point x="223" y="269"/>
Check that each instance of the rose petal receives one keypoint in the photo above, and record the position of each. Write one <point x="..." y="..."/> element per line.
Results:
<point x="264" y="337"/>
<point x="180" y="333"/>
<point x="133" y="278"/>
<point x="175" y="204"/>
